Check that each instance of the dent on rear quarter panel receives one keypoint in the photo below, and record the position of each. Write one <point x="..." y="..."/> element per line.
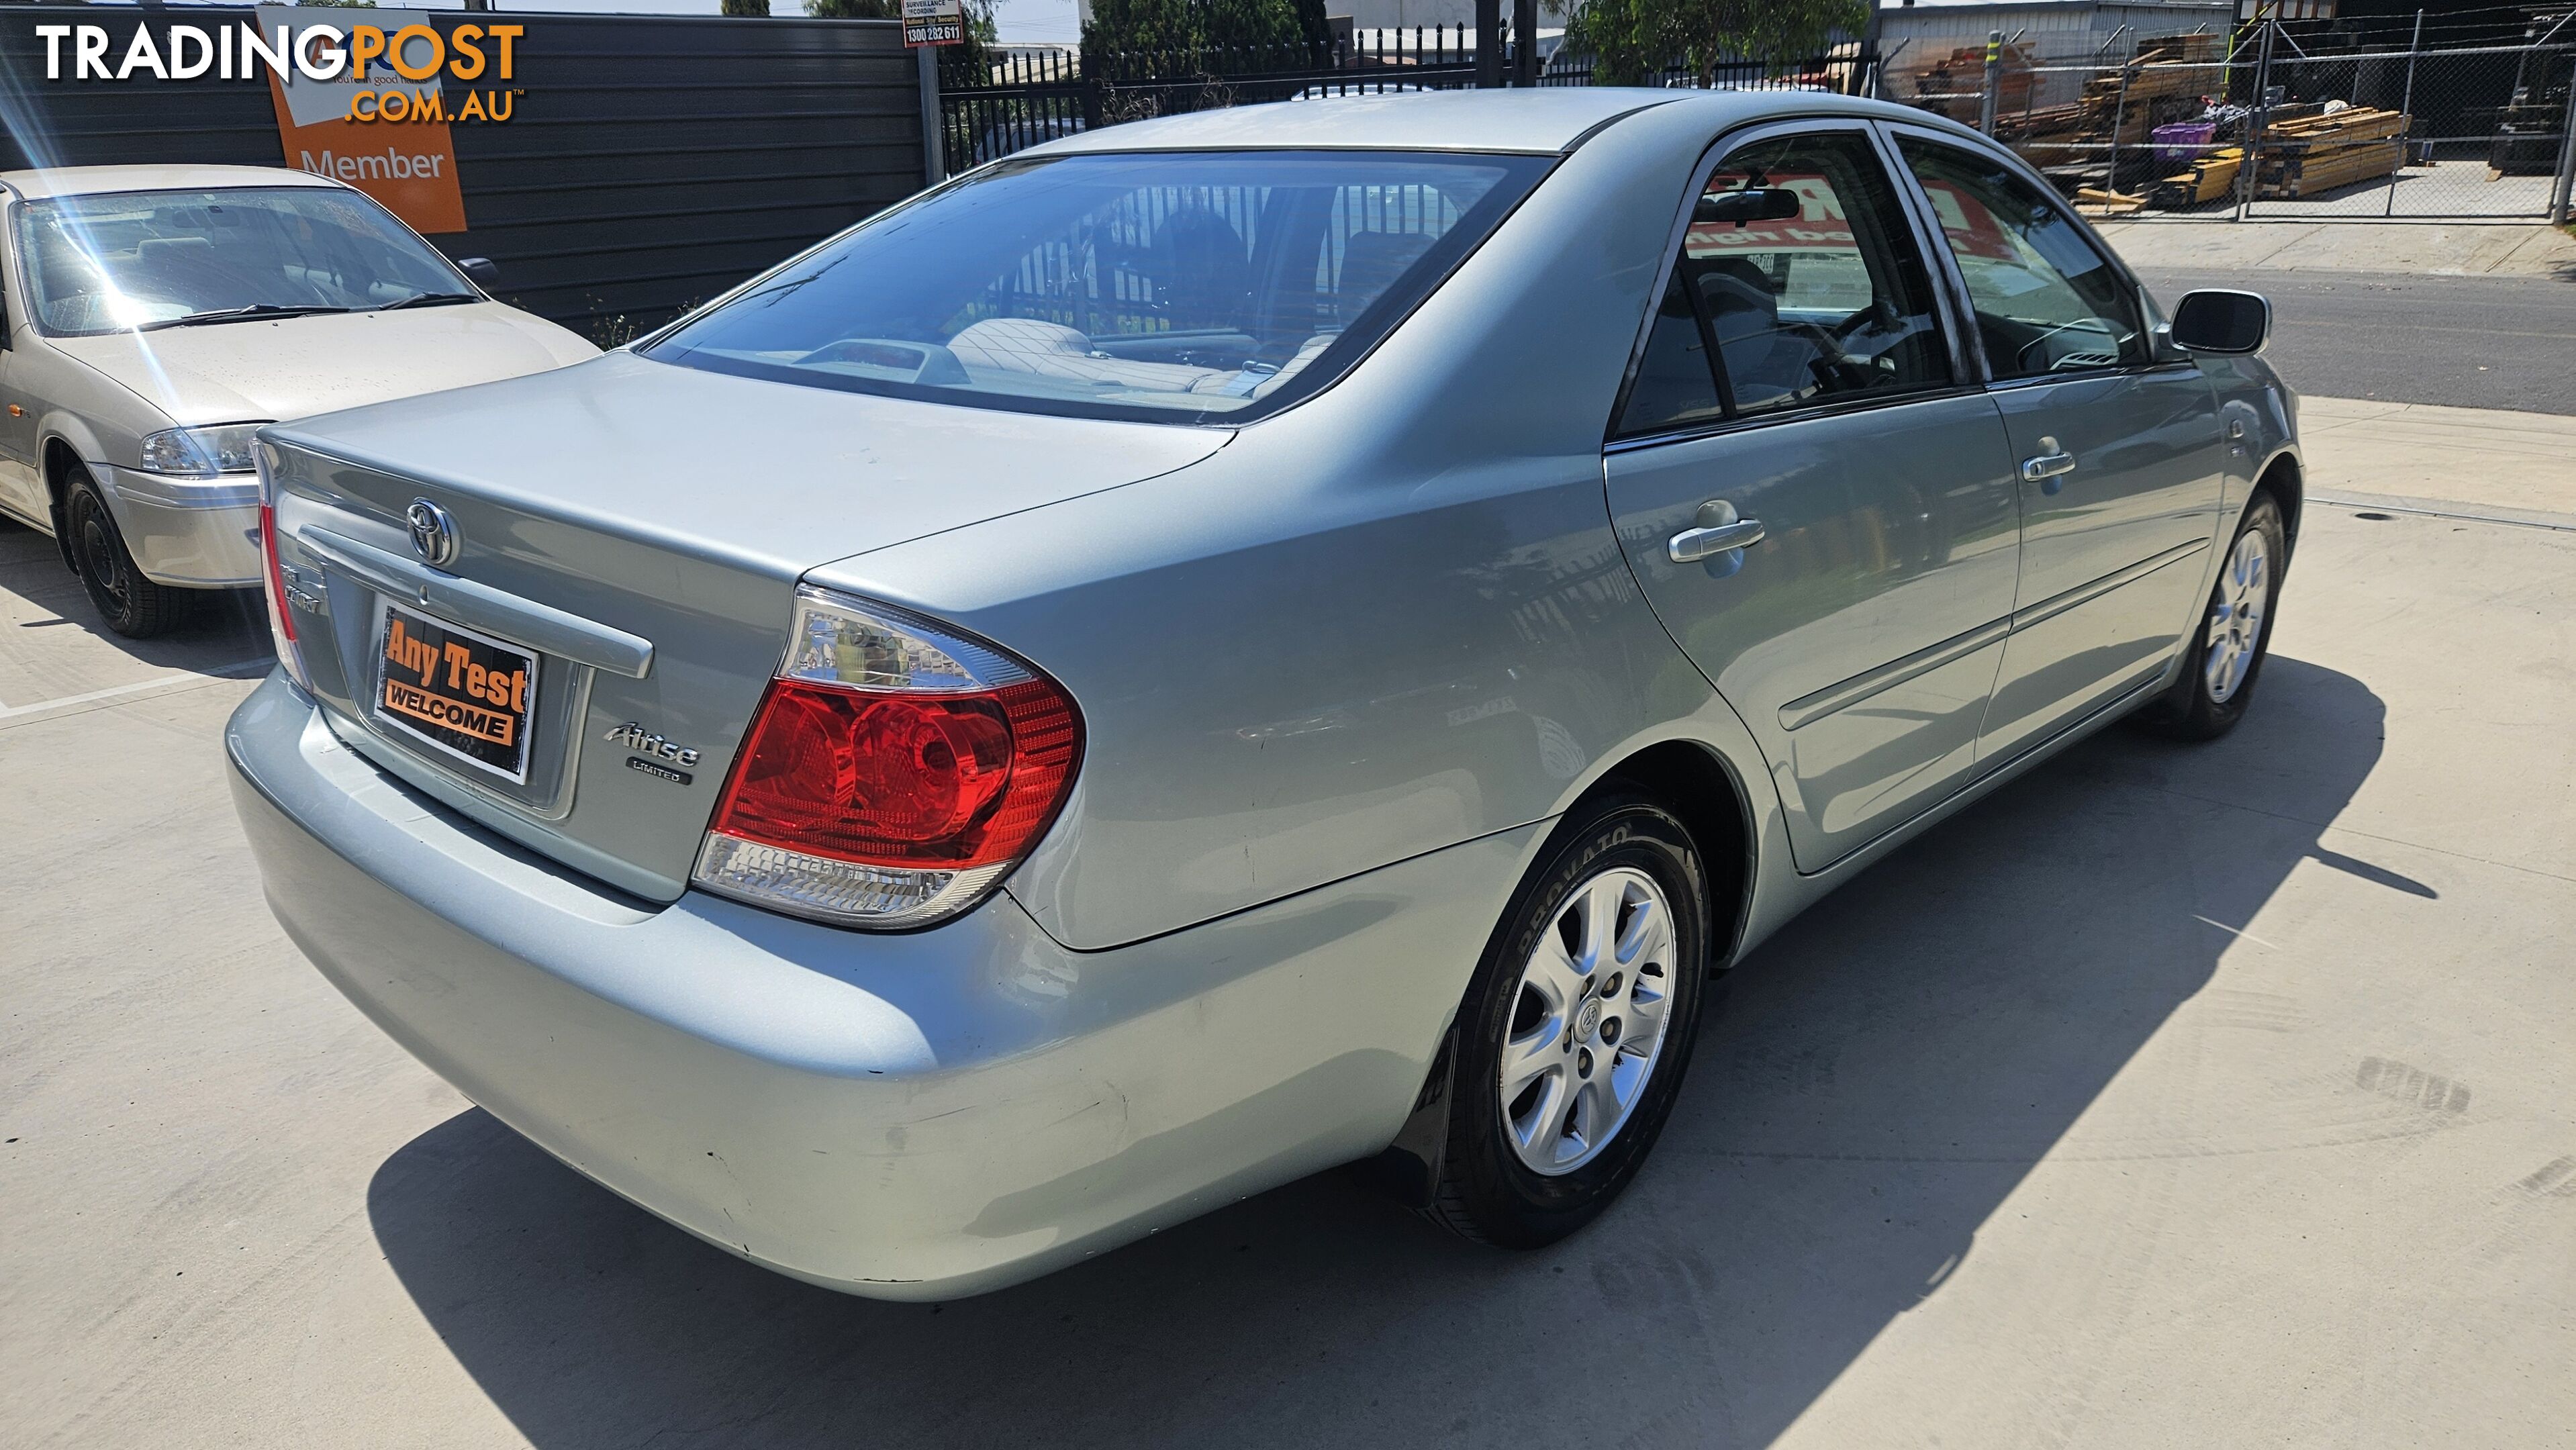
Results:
<point x="1388" y="620"/>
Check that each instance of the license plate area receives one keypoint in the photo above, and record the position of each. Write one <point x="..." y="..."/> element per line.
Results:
<point x="466" y="698"/>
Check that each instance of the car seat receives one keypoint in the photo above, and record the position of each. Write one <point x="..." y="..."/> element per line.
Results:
<point x="1765" y="362"/>
<point x="1050" y="349"/>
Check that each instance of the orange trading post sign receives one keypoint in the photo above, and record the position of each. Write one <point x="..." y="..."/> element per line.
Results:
<point x="361" y="102"/>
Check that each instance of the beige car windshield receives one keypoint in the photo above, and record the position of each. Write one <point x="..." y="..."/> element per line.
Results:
<point x="140" y="259"/>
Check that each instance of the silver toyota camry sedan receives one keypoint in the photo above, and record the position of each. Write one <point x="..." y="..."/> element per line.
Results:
<point x="1226" y="646"/>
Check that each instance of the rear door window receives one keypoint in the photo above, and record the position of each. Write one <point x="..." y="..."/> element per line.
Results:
<point x="1831" y="305"/>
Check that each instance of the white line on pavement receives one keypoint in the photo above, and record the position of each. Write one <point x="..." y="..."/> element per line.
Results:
<point x="2235" y="931"/>
<point x="235" y="668"/>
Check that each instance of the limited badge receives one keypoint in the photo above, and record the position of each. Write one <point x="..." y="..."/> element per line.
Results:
<point x="658" y="771"/>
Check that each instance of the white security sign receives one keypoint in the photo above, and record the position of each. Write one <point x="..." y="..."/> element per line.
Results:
<point x="934" y="22"/>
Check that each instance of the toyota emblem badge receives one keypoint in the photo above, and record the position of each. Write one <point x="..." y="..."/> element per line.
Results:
<point x="433" y="533"/>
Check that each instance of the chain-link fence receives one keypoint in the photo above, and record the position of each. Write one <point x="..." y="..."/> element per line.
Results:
<point x="2106" y="130"/>
<point x="2337" y="127"/>
<point x="2462" y="133"/>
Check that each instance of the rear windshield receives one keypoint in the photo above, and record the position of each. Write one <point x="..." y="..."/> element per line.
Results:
<point x="144" y="259"/>
<point x="1186" y="287"/>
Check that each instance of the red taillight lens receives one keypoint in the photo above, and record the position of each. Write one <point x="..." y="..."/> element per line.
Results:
<point x="946" y="781"/>
<point x="896" y="771"/>
<point x="280" y="617"/>
<point x="281" y="610"/>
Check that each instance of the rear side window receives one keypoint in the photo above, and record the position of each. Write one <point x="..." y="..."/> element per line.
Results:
<point x="1175" y="287"/>
<point x="2046" y="301"/>
<point x="1767" y="316"/>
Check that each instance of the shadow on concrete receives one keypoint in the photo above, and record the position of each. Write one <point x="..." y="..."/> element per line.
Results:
<point x="222" y="627"/>
<point x="1883" y="1074"/>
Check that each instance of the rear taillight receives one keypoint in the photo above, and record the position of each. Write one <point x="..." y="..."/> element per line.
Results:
<point x="281" y="614"/>
<point x="896" y="771"/>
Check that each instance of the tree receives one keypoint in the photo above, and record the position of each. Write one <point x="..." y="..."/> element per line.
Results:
<point x="969" y="57"/>
<point x="1126" y="26"/>
<point x="1631" y="41"/>
<point x="745" y="7"/>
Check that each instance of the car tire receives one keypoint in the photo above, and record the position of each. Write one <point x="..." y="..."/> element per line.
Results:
<point x="132" y="605"/>
<point x="2224" y="658"/>
<point x="1539" y="1058"/>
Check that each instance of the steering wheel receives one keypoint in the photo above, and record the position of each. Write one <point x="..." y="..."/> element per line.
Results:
<point x="1880" y="313"/>
<point x="1837" y="368"/>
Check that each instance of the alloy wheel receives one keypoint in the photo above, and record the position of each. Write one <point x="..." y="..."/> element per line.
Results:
<point x="2236" y="617"/>
<point x="1588" y="1020"/>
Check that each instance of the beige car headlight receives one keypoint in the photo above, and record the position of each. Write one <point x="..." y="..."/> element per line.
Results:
<point x="201" y="452"/>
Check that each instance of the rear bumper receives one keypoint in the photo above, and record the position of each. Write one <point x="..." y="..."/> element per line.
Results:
<point x="196" y="534"/>
<point x="906" y="1117"/>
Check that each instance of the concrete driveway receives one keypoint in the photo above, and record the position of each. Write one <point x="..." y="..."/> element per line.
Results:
<point x="2214" y="1096"/>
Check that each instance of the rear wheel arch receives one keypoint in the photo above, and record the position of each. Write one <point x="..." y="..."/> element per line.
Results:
<point x="1697" y="785"/>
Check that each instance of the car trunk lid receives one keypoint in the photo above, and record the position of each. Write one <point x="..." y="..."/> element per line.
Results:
<point x="627" y="536"/>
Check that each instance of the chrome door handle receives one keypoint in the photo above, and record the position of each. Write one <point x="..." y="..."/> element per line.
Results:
<point x="2052" y="463"/>
<point x="1692" y="545"/>
<point x="2047" y="465"/>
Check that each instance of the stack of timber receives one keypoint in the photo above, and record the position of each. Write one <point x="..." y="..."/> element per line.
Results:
<point x="2167" y="76"/>
<point x="2119" y="107"/>
<point x="2108" y="203"/>
<point x="2211" y="178"/>
<point x="2305" y="153"/>
<point x="2308" y="155"/>
<point x="1952" y="85"/>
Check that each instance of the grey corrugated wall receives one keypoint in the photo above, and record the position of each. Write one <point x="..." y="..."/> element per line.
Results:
<point x="650" y="162"/>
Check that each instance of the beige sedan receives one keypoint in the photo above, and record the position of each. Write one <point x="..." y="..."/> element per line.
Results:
<point x="158" y="315"/>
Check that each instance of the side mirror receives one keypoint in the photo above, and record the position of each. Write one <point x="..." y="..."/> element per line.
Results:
<point x="2223" y="322"/>
<point x="483" y="270"/>
<point x="1761" y="204"/>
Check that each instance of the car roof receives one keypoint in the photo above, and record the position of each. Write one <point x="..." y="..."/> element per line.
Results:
<point x="1545" y="121"/>
<point x="1542" y="121"/>
<point x="91" y="180"/>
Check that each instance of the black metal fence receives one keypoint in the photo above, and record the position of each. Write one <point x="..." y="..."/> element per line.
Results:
<point x="1019" y="100"/>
